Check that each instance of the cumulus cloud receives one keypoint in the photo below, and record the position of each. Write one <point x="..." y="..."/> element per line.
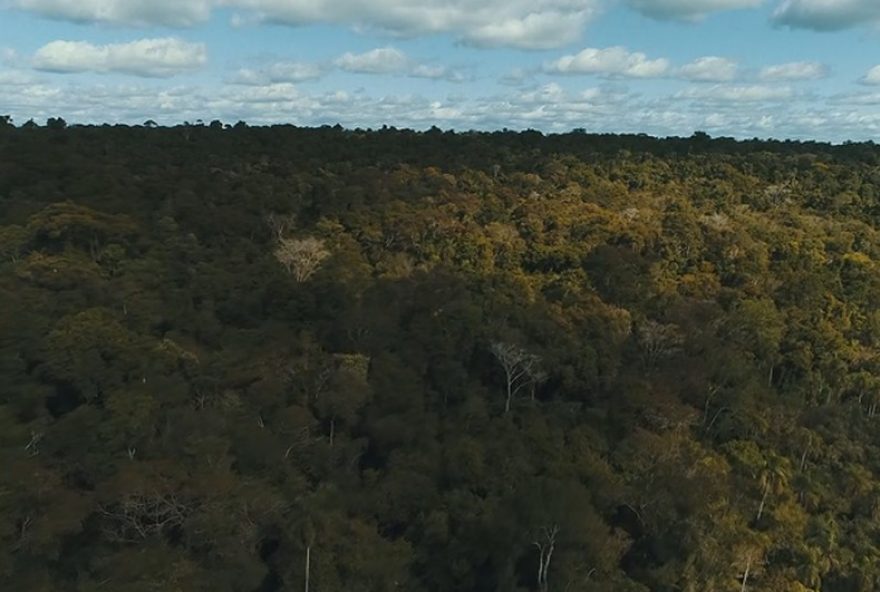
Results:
<point x="859" y="98"/>
<point x="872" y="77"/>
<point x="173" y="13"/>
<point x="794" y="71"/>
<point x="390" y="60"/>
<point x="742" y="111"/>
<point x="546" y="93"/>
<point x="531" y="24"/>
<point x="383" y="60"/>
<point x="535" y="24"/>
<point x="612" y="62"/>
<point x="748" y="93"/>
<point x="282" y="93"/>
<point x="437" y="72"/>
<point x="534" y="30"/>
<point x="688" y="9"/>
<point x="278" y="72"/>
<point x="709" y="69"/>
<point x="826" y="15"/>
<point x="156" y="58"/>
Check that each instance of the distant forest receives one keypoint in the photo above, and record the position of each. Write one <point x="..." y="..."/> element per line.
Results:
<point x="272" y="359"/>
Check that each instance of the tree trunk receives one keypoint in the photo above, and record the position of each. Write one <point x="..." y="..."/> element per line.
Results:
<point x="308" y="565"/>
<point x="545" y="586"/>
<point x="763" y="500"/>
<point x="332" y="431"/>
<point x="715" y="418"/>
<point x="746" y="574"/>
<point x="706" y="409"/>
<point x="545" y="554"/>
<point x="540" y="568"/>
<point x="509" y="397"/>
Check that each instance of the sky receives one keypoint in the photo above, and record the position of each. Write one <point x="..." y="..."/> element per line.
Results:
<point x="801" y="69"/>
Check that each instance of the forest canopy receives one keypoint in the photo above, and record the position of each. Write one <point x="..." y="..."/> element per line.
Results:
<point x="241" y="359"/>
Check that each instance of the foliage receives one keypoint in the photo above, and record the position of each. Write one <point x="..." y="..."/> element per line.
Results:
<point x="436" y="361"/>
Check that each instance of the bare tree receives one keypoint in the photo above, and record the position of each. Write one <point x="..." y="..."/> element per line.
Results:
<point x="538" y="377"/>
<point x="521" y="369"/>
<point x="138" y="516"/>
<point x="280" y="224"/>
<point x="659" y="341"/>
<point x="546" y="544"/>
<point x="301" y="257"/>
<point x="33" y="446"/>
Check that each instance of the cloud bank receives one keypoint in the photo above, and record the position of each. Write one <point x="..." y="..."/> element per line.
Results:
<point x="612" y="61"/>
<point x="527" y="24"/>
<point x="826" y="15"/>
<point x="154" y="58"/>
<point x="689" y="10"/>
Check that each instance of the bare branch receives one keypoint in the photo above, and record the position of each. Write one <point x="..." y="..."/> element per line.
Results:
<point x="280" y="224"/>
<point x="521" y="368"/>
<point x="33" y="446"/>
<point x="301" y="257"/>
<point x="138" y="516"/>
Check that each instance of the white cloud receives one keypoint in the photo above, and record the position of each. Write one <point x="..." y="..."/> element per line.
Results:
<point x="611" y="61"/>
<point x="547" y="93"/>
<point x="860" y="98"/>
<point x="742" y="111"/>
<point x="534" y="30"/>
<point x="158" y="58"/>
<point x="392" y="61"/>
<point x="437" y="72"/>
<point x="532" y="24"/>
<point x="794" y="71"/>
<point x="688" y="9"/>
<point x="826" y="15"/>
<point x="383" y="60"/>
<point x="15" y="78"/>
<point x="174" y="13"/>
<point x="737" y="93"/>
<point x="709" y="69"/>
<point x="872" y="77"/>
<point x="278" y="72"/>
<point x="274" y="94"/>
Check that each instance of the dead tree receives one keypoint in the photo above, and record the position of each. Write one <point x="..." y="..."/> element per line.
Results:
<point x="301" y="257"/>
<point x="658" y="341"/>
<point x="546" y="544"/>
<point x="33" y="446"/>
<point x="521" y="369"/>
<point x="280" y="224"/>
<point x="138" y="516"/>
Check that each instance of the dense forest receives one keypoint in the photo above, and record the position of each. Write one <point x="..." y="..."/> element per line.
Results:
<point x="259" y="359"/>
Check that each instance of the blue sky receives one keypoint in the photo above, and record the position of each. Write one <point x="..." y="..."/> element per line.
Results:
<point x="744" y="68"/>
